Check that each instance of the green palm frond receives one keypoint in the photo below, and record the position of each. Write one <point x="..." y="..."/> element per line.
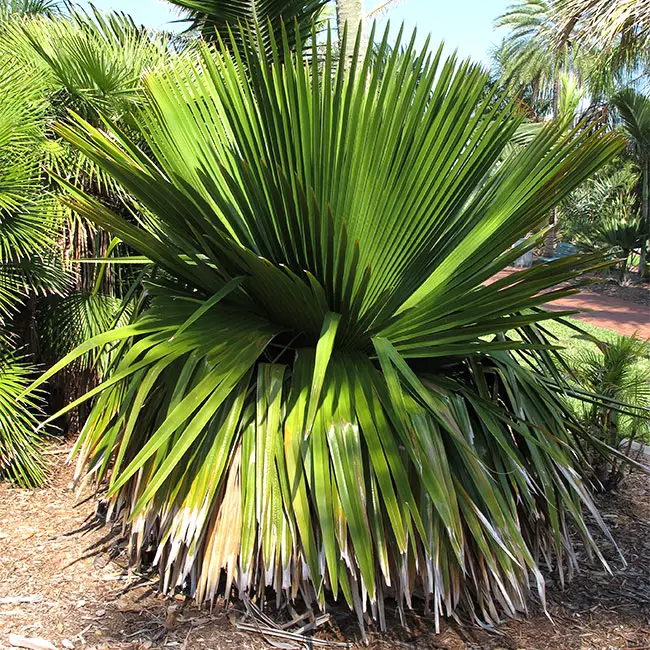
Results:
<point x="323" y="396"/>
<point x="21" y="134"/>
<point x="68" y="322"/>
<point x="29" y="216"/>
<point x="215" y="19"/>
<point x="20" y="446"/>
<point x="634" y="109"/>
<point x="93" y="60"/>
<point x="13" y="8"/>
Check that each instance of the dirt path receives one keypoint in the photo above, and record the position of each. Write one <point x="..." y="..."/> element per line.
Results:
<point x="611" y="313"/>
<point x="622" y="316"/>
<point x="53" y="553"/>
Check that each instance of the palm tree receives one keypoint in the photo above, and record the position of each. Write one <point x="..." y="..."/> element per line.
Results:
<point x="532" y="55"/>
<point x="634" y="109"/>
<point x="323" y="395"/>
<point x="27" y="264"/>
<point x="615" y="370"/>
<point x="223" y="19"/>
<point x="91" y="63"/>
<point x="622" y="25"/>
<point x="620" y="232"/>
<point x="617" y="33"/>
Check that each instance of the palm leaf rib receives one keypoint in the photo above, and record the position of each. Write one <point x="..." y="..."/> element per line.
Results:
<point x="326" y="395"/>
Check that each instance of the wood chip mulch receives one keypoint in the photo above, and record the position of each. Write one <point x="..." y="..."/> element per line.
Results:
<point x="63" y="579"/>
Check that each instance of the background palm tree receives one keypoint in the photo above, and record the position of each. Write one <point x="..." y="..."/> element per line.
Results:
<point x="619" y="231"/>
<point x="618" y="371"/>
<point x="634" y="109"/>
<point x="620" y="26"/>
<point x="532" y="54"/>
<point x="617" y="32"/>
<point x="92" y="63"/>
<point x="28" y="264"/>
<point x="222" y="19"/>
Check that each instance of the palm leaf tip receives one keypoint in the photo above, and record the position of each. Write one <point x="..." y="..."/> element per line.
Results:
<point x="325" y="395"/>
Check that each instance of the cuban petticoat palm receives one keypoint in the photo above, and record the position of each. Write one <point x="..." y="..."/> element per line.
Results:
<point x="323" y="396"/>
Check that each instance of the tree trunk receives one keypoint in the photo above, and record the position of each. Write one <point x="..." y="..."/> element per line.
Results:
<point x="645" y="222"/>
<point x="549" y="242"/>
<point x="625" y="276"/>
<point x="350" y="12"/>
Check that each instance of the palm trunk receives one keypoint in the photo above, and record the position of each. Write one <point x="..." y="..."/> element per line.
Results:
<point x="625" y="277"/>
<point x="549" y="243"/>
<point x="350" y="13"/>
<point x="645" y="222"/>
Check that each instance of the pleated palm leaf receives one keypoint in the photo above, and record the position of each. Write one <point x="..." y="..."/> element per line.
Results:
<point x="27" y="264"/>
<point x="27" y="214"/>
<point x="218" y="19"/>
<point x="90" y="62"/>
<point x="21" y="447"/>
<point x="323" y="396"/>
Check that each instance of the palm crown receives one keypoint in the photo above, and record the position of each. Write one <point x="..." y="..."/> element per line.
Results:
<point x="324" y="393"/>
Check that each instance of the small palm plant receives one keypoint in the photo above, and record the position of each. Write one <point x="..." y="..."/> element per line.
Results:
<point x="619" y="233"/>
<point x="617" y="371"/>
<point x="322" y="396"/>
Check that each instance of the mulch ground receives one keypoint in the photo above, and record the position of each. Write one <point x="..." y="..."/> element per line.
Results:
<point x="638" y="293"/>
<point x="63" y="578"/>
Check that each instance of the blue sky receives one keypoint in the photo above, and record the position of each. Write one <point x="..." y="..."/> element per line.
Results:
<point x="466" y="25"/>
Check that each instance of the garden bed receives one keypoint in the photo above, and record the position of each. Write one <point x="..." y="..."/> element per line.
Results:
<point x="636" y="293"/>
<point x="70" y="570"/>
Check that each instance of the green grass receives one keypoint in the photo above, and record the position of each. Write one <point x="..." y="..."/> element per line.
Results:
<point x="573" y="340"/>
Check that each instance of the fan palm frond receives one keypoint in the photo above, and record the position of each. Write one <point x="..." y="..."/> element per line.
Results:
<point x="13" y="8"/>
<point x="221" y="19"/>
<point x="94" y="60"/>
<point x="29" y="216"/>
<point x="20" y="446"/>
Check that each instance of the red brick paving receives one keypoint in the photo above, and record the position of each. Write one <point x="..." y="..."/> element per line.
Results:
<point x="615" y="314"/>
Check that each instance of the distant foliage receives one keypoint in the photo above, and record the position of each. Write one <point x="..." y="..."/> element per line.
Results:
<point x="619" y="372"/>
